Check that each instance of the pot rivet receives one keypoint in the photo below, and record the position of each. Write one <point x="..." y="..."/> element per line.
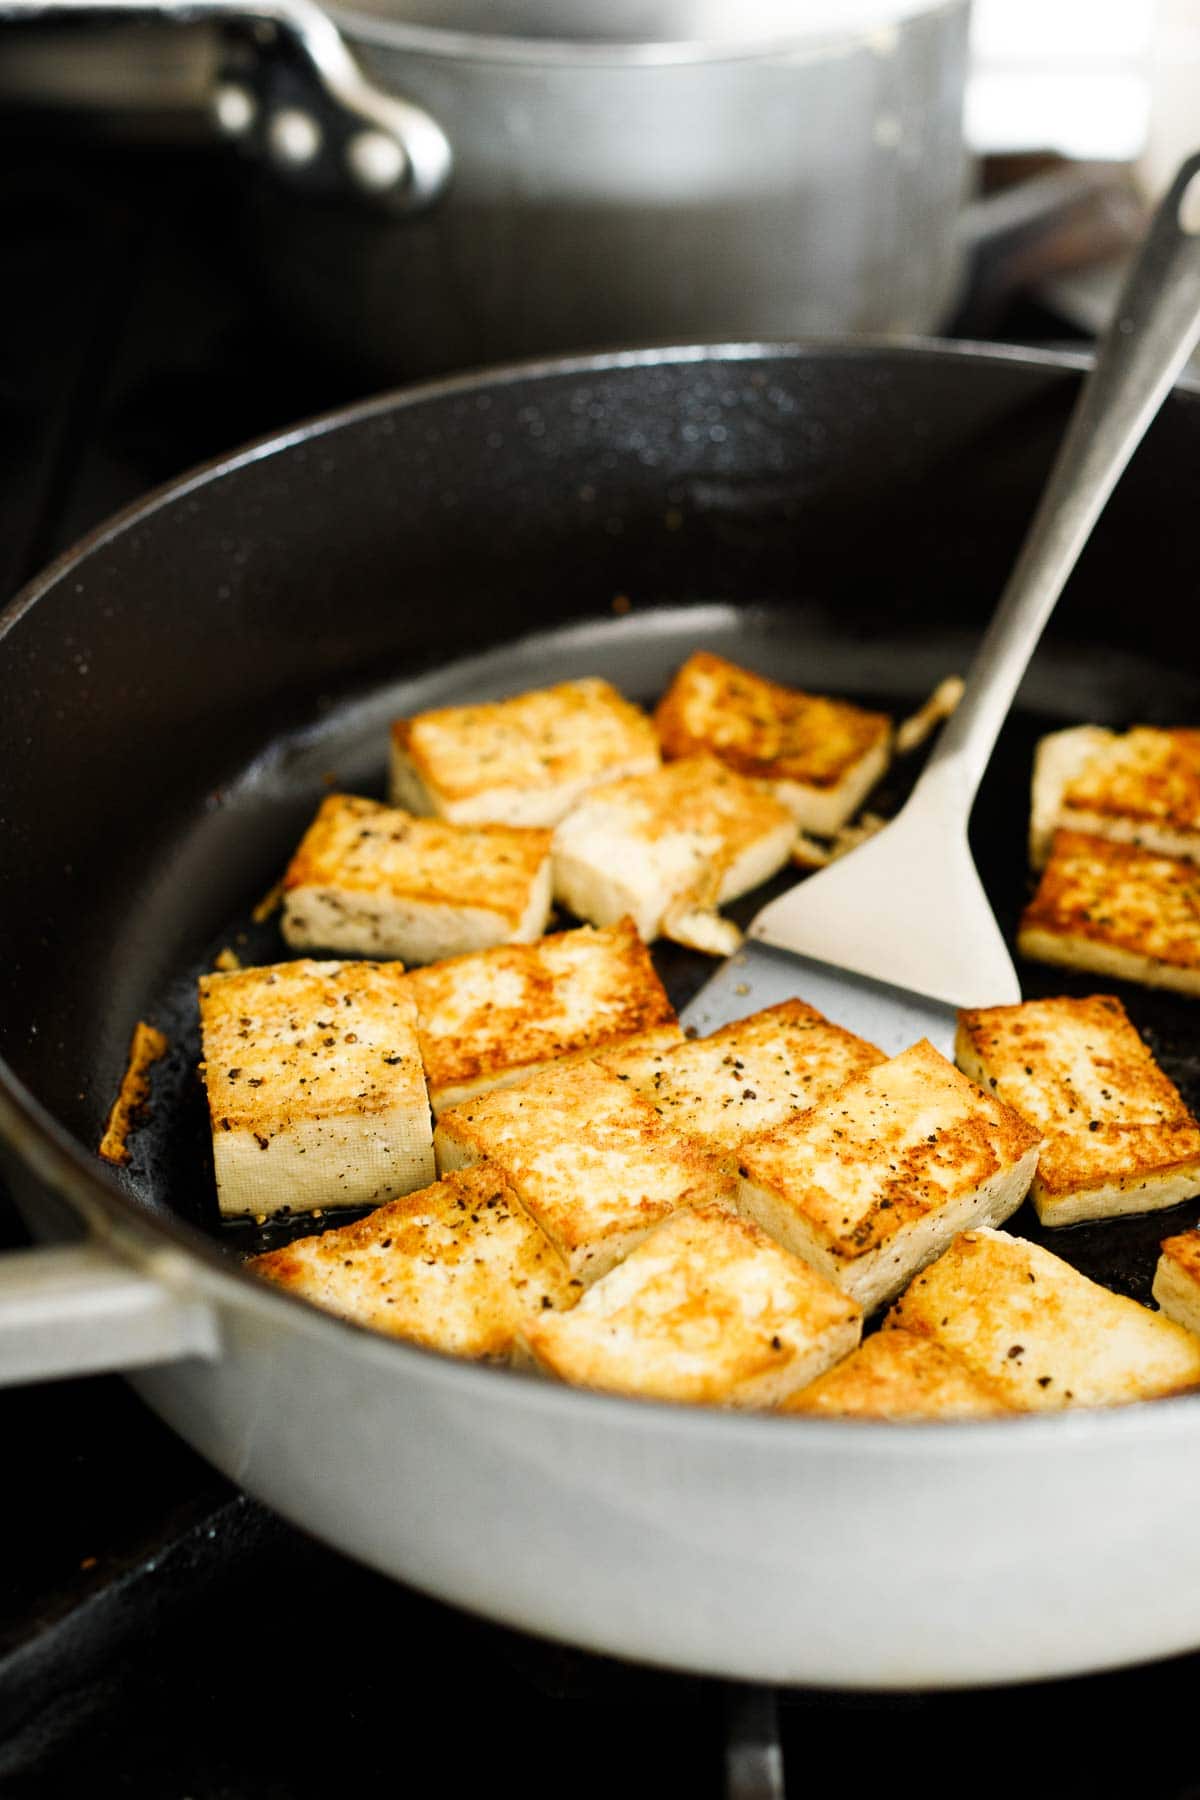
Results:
<point x="293" y="137"/>
<point x="376" y="160"/>
<point x="234" y="108"/>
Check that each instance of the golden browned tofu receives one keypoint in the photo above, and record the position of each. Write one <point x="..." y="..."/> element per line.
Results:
<point x="707" y="1309"/>
<point x="315" y="1086"/>
<point x="1177" y="1279"/>
<point x="753" y="1073"/>
<point x="456" y="1266"/>
<point x="669" y="847"/>
<point x="636" y="1058"/>
<point x="588" y="1157"/>
<point x="1041" y="1332"/>
<point x="494" y="1017"/>
<point x="821" y="756"/>
<point x="1139" y="787"/>
<point x="899" y="1375"/>
<point x="522" y="761"/>
<point x="1116" y="1135"/>
<point x="1117" y="910"/>
<point x="873" y="1182"/>
<point x="378" y="880"/>
<point x="1059" y="757"/>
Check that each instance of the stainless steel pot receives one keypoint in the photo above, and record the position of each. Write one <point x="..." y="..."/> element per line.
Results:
<point x="548" y="183"/>
<point x="159" y="759"/>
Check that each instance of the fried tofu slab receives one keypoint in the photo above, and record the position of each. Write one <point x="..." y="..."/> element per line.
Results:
<point x="874" y="1181"/>
<point x="316" y="1091"/>
<point x="523" y="761"/>
<point x="378" y="880"/>
<point x="753" y="1073"/>
<point x="1137" y="787"/>
<point x="1042" y="1333"/>
<point x="456" y="1266"/>
<point x="708" y="1310"/>
<point x="899" y="1375"/>
<point x="589" y="1158"/>
<point x="1117" y="910"/>
<point x="1116" y="1135"/>
<point x="492" y="1018"/>
<point x="1177" y="1279"/>
<point x="669" y="847"/>
<point x="821" y="757"/>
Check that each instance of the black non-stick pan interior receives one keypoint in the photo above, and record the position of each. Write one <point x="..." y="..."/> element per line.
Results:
<point x="178" y="698"/>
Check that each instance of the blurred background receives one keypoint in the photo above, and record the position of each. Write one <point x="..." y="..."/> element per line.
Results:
<point x="215" y="228"/>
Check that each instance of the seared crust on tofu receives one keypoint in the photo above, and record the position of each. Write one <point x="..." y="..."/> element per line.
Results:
<point x="1116" y="1136"/>
<point x="315" y="1086"/>
<point x="1142" y="787"/>
<point x="635" y="1058"/>
<point x="873" y="1182"/>
<point x="523" y="761"/>
<point x="146" y="1046"/>
<point x="821" y="756"/>
<point x="456" y="1266"/>
<point x="706" y="1309"/>
<point x="493" y="1018"/>
<point x="1118" y="910"/>
<point x="378" y="880"/>
<point x="588" y="1157"/>
<point x="1177" y="1279"/>
<point x="665" y="846"/>
<point x="753" y="1073"/>
<point x="898" y="1375"/>
<point x="1045" y="1335"/>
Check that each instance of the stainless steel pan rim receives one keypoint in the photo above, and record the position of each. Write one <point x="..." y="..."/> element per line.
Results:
<point x="458" y="45"/>
<point x="93" y="1193"/>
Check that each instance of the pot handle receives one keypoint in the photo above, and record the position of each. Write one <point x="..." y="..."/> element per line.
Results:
<point x="292" y="92"/>
<point x="79" y="1309"/>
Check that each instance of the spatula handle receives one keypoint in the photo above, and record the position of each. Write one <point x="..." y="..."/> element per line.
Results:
<point x="1156" y="325"/>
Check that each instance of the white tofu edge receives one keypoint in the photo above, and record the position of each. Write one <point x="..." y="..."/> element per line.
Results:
<point x="1177" y="1293"/>
<point x="1067" y="952"/>
<point x="412" y="931"/>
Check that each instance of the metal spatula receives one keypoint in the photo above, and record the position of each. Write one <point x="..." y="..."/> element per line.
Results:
<point x="891" y="939"/>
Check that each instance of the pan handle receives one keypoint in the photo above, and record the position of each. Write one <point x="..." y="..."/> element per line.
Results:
<point x="80" y="1309"/>
<point x="292" y="92"/>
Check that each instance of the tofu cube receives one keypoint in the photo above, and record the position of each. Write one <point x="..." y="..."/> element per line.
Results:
<point x="494" y="1017"/>
<point x="1060" y="756"/>
<point x="1177" y="1279"/>
<point x="315" y="1087"/>
<point x="1117" y="910"/>
<point x="753" y="1073"/>
<point x="1041" y="1332"/>
<point x="669" y="845"/>
<point x="707" y="1310"/>
<point x="1136" y="787"/>
<point x="821" y="757"/>
<point x="456" y="1267"/>
<point x="590" y="1159"/>
<point x="873" y="1182"/>
<point x="899" y="1375"/>
<point x="1116" y="1136"/>
<point x="378" y="880"/>
<point x="522" y="761"/>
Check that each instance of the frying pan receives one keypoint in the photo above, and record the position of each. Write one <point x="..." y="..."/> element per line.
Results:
<point x="179" y="691"/>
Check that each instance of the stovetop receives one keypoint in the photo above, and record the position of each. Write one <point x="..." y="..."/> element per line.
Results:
<point x="162" y="1635"/>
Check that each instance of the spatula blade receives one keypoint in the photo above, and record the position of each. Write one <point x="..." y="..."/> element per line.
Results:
<point x="758" y="976"/>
